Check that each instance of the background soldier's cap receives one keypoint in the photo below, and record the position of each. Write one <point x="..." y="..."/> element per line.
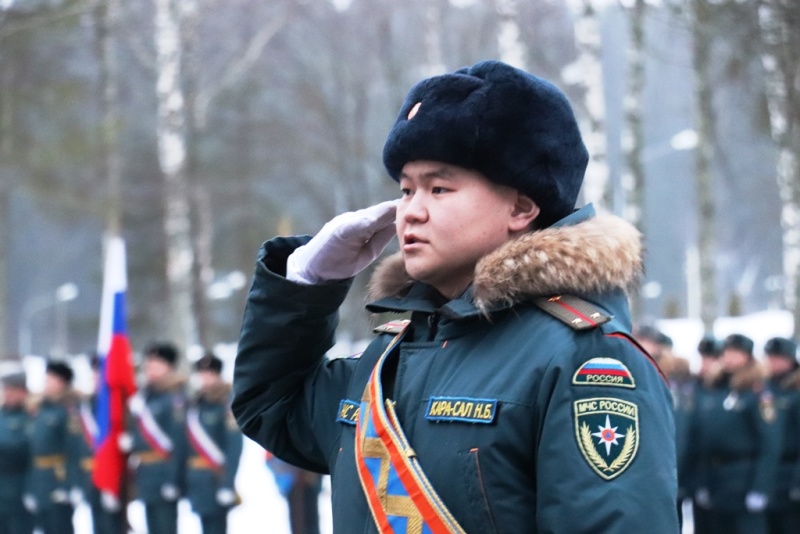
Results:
<point x="60" y="369"/>
<point x="709" y="347"/>
<point x="15" y="379"/>
<point x="738" y="342"/>
<point x="781" y="346"/>
<point x="209" y="362"/>
<point x="514" y="128"/>
<point x="162" y="351"/>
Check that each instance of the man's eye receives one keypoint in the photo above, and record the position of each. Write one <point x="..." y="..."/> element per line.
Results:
<point x="438" y="190"/>
<point x="405" y="191"/>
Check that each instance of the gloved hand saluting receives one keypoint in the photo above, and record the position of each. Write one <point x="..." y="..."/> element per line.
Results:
<point x="345" y="246"/>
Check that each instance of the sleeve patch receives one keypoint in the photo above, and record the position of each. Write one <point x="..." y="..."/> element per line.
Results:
<point x="607" y="432"/>
<point x="604" y="372"/>
<point x="348" y="412"/>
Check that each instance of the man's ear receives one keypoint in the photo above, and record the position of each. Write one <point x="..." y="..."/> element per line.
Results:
<point x="524" y="213"/>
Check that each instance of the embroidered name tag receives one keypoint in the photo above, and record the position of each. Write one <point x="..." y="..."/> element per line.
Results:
<point x="603" y="372"/>
<point x="461" y="409"/>
<point x="348" y="412"/>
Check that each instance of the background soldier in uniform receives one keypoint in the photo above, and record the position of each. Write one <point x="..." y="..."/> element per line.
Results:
<point x="734" y="432"/>
<point x="156" y="433"/>
<point x="214" y="447"/>
<point x="783" y="511"/>
<point x="55" y="445"/>
<point x="15" y="455"/>
<point x="301" y="490"/>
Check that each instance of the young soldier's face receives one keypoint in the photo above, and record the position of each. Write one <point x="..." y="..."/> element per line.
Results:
<point x="450" y="217"/>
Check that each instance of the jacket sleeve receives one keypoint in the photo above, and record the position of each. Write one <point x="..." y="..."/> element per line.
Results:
<point x="285" y="392"/>
<point x="606" y="458"/>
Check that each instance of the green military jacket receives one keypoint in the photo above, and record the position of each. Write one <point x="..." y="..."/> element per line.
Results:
<point x="15" y="458"/>
<point x="527" y="415"/>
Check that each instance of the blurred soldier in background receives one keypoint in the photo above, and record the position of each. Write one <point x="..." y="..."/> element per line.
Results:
<point x="710" y="349"/>
<point x="107" y="514"/>
<point x="733" y="430"/>
<point x="15" y="456"/>
<point x="783" y="512"/>
<point x="55" y="445"/>
<point x="301" y="490"/>
<point x="156" y="438"/>
<point x="214" y="447"/>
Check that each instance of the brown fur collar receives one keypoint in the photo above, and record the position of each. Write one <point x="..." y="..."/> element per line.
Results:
<point x="218" y="393"/>
<point x="751" y="377"/>
<point x="791" y="380"/>
<point x="599" y="254"/>
<point x="172" y="383"/>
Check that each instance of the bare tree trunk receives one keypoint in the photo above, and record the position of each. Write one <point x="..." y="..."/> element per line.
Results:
<point x="509" y="42"/>
<point x="633" y="183"/>
<point x="6" y="119"/>
<point x="171" y="134"/>
<point x="780" y="30"/>
<point x="704" y="180"/>
<point x="110" y="161"/>
<point x="587" y="72"/>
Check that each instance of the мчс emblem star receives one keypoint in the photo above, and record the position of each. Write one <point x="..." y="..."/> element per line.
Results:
<point x="607" y="432"/>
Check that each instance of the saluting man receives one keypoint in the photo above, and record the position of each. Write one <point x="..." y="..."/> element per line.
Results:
<point x="15" y="454"/>
<point x="214" y="447"/>
<point x="157" y="451"/>
<point x="738" y="443"/>
<point x="515" y="398"/>
<point x="55" y="446"/>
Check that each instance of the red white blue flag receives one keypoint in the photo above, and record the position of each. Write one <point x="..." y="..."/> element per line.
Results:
<point x="117" y="379"/>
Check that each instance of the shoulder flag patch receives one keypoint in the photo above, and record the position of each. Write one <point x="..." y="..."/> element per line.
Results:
<point x="607" y="431"/>
<point x="603" y="372"/>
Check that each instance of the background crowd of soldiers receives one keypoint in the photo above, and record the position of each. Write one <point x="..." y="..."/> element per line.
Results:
<point x="179" y="446"/>
<point x="738" y="432"/>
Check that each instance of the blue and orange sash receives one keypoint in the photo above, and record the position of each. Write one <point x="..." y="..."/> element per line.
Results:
<point x="399" y="494"/>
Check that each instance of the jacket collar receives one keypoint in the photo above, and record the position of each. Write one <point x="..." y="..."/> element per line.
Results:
<point x="583" y="254"/>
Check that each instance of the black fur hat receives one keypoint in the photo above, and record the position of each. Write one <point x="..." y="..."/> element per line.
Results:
<point x="209" y="362"/>
<point x="739" y="342"/>
<point x="781" y="346"/>
<point x="163" y="351"/>
<point x="709" y="347"/>
<point x="61" y="370"/>
<point x="511" y="126"/>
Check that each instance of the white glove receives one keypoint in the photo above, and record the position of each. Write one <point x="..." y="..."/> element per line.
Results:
<point x="169" y="492"/>
<point x="76" y="496"/>
<point x="702" y="498"/>
<point x="225" y="497"/>
<point x="29" y="501"/>
<point x="755" y="501"/>
<point x="59" y="496"/>
<point x="345" y="246"/>
<point x="109" y="501"/>
<point x="125" y="442"/>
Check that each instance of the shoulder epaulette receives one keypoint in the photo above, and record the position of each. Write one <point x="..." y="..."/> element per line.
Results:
<point x="392" y="327"/>
<point x="573" y="311"/>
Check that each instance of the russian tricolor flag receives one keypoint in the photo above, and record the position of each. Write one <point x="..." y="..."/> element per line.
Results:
<point x="117" y="379"/>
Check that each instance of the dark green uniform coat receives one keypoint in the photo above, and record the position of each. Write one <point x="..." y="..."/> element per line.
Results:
<point x="784" y="503"/>
<point x="537" y="458"/>
<point x="202" y="479"/>
<point x="15" y="460"/>
<point x="152" y="472"/>
<point x="55" y="449"/>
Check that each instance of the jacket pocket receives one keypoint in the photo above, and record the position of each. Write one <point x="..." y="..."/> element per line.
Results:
<point x="475" y="483"/>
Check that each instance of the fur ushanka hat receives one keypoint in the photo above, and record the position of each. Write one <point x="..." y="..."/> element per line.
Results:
<point x="511" y="126"/>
